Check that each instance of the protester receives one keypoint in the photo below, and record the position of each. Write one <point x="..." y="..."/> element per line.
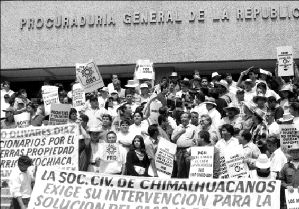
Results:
<point x="137" y="162"/>
<point x="9" y="121"/>
<point x="20" y="183"/>
<point x="262" y="171"/>
<point x="140" y="126"/>
<point x="228" y="141"/>
<point x="115" y="163"/>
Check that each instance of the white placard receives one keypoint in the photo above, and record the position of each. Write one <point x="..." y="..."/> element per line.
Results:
<point x="50" y="96"/>
<point x="78" y="96"/>
<point x="201" y="165"/>
<point x="89" y="76"/>
<point x="59" y="114"/>
<point x="22" y="120"/>
<point x="292" y="198"/>
<point x="144" y="70"/>
<point x="164" y="158"/>
<point x="285" y="61"/>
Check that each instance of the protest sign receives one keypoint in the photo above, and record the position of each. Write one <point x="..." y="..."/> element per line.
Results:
<point x="144" y="70"/>
<point x="285" y="61"/>
<point x="292" y="198"/>
<point x="75" y="189"/>
<point x="45" y="145"/>
<point x="234" y="160"/>
<point x="50" y="96"/>
<point x="201" y="165"/>
<point x="223" y="168"/>
<point x="111" y="152"/>
<point x="289" y="136"/>
<point x="22" y="120"/>
<point x="164" y="158"/>
<point x="89" y="76"/>
<point x="59" y="114"/>
<point x="78" y="96"/>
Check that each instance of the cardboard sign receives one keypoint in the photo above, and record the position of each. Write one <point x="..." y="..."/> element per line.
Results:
<point x="164" y="158"/>
<point x="45" y="145"/>
<point x="89" y="76"/>
<point x="223" y="168"/>
<point x="57" y="188"/>
<point x="234" y="160"/>
<point x="289" y="136"/>
<point x="201" y="165"/>
<point x="59" y="114"/>
<point x="50" y="96"/>
<point x="292" y="198"/>
<point x="22" y="120"/>
<point x="111" y="152"/>
<point x="285" y="61"/>
<point x="144" y="70"/>
<point x="78" y="97"/>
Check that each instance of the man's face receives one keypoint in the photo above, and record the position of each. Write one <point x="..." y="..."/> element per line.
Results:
<point x="124" y="128"/>
<point x="23" y="167"/>
<point x="184" y="119"/>
<point x="111" y="138"/>
<point x="204" y="83"/>
<point x="128" y="109"/>
<point x="165" y="123"/>
<point x="129" y="98"/>
<point x="94" y="103"/>
<point x="184" y="88"/>
<point x="114" y="78"/>
<point x="248" y="86"/>
<point x="106" y="121"/>
<point x="271" y="146"/>
<point x="229" y="79"/>
<point x="230" y="113"/>
<point x="194" y="119"/>
<point x="272" y="104"/>
<point x="144" y="90"/>
<point x="252" y="76"/>
<point x="94" y="136"/>
<point x="204" y="122"/>
<point x="294" y="153"/>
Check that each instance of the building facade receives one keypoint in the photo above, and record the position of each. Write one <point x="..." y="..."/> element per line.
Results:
<point x="43" y="40"/>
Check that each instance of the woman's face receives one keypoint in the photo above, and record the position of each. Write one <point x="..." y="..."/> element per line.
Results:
<point x="24" y="94"/>
<point x="225" y="133"/>
<point x="137" y="118"/>
<point x="137" y="143"/>
<point x="29" y="108"/>
<point x="73" y="116"/>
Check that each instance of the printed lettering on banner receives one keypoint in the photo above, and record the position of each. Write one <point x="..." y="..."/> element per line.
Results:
<point x="76" y="189"/>
<point x="285" y="61"/>
<point x="50" y="96"/>
<point x="111" y="152"/>
<point x="289" y="136"/>
<point x="201" y="164"/>
<point x="89" y="76"/>
<point x="292" y="198"/>
<point x="234" y="160"/>
<point x="45" y="145"/>
<point x="59" y="114"/>
<point x="164" y="158"/>
<point x="144" y="70"/>
<point x="22" y="120"/>
<point x="78" y="96"/>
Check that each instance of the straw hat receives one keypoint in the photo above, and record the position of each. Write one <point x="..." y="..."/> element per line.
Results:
<point x="210" y="100"/>
<point x="143" y="85"/>
<point x="131" y="84"/>
<point x="287" y="87"/>
<point x="94" y="129"/>
<point x="259" y="96"/>
<point x="248" y="81"/>
<point x="174" y="74"/>
<point x="223" y="83"/>
<point x="263" y="162"/>
<point x="232" y="106"/>
<point x="214" y="74"/>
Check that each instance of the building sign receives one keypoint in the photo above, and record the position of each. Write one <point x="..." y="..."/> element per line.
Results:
<point x="157" y="17"/>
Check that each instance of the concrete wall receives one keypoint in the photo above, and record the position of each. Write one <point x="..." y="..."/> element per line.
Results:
<point x="120" y="43"/>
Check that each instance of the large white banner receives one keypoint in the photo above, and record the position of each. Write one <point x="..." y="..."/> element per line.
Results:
<point x="69" y="189"/>
<point x="164" y="158"/>
<point x="201" y="164"/>
<point x="285" y="61"/>
<point x="89" y="76"/>
<point x="50" y="96"/>
<point x="45" y="145"/>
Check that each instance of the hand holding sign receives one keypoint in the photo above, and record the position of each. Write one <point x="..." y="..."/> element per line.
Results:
<point x="285" y="61"/>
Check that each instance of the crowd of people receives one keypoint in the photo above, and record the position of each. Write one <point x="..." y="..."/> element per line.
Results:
<point x="200" y="111"/>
